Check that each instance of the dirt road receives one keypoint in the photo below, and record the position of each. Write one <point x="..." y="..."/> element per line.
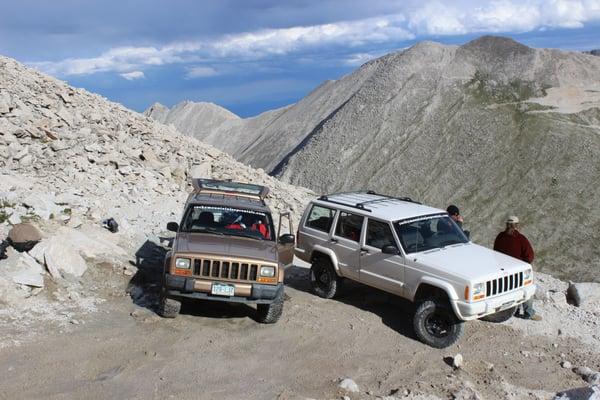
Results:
<point x="216" y="350"/>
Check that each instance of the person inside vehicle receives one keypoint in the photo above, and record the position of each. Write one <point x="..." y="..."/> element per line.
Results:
<point x="234" y="221"/>
<point x="261" y="227"/>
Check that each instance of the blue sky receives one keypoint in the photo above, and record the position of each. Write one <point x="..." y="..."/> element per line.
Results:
<point x="253" y="55"/>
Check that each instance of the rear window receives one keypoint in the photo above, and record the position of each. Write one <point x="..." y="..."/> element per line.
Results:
<point x="349" y="226"/>
<point x="320" y="218"/>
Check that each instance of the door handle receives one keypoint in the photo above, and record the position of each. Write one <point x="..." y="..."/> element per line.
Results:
<point x="364" y="251"/>
<point x="332" y="240"/>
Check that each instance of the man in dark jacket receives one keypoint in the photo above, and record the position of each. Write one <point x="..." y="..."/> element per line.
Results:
<point x="454" y="213"/>
<point x="515" y="244"/>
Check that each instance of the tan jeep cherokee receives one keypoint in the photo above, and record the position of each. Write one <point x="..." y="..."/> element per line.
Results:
<point x="226" y="249"/>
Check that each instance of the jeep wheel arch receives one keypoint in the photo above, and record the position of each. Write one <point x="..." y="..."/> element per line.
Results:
<point x="327" y="254"/>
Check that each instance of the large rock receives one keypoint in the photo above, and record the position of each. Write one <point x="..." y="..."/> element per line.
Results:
<point x="22" y="269"/>
<point x="24" y="236"/>
<point x="585" y="295"/>
<point x="59" y="257"/>
<point x="584" y="393"/>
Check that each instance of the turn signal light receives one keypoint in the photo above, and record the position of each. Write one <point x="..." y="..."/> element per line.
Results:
<point x="478" y="297"/>
<point x="263" y="279"/>
<point x="528" y="281"/>
<point x="184" y="272"/>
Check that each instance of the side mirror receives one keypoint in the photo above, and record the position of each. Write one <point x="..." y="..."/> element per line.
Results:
<point x="172" y="226"/>
<point x="390" y="249"/>
<point x="288" y="238"/>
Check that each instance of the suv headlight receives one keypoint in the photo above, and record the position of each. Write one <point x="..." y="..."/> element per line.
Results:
<point x="478" y="291"/>
<point x="267" y="271"/>
<point x="527" y="277"/>
<point x="182" y="263"/>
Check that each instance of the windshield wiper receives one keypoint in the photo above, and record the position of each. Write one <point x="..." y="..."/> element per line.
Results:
<point x="207" y="230"/>
<point x="242" y="234"/>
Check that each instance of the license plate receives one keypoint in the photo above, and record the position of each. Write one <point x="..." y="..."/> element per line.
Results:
<point x="220" y="289"/>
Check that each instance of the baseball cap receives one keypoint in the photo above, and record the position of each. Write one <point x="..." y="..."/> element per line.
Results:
<point x="513" y="219"/>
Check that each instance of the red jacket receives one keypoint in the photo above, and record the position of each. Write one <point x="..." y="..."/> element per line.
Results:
<point x="515" y="245"/>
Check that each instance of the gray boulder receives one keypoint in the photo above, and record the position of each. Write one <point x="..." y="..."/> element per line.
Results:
<point x="585" y="295"/>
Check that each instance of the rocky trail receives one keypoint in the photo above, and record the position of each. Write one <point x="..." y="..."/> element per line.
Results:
<point x="77" y="313"/>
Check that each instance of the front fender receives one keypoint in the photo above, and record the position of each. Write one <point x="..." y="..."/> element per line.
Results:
<point x="167" y="263"/>
<point x="329" y="253"/>
<point x="448" y="288"/>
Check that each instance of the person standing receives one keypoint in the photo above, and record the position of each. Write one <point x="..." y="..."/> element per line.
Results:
<point x="513" y="243"/>
<point x="454" y="213"/>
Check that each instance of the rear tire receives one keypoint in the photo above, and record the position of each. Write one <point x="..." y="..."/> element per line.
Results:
<point x="270" y="313"/>
<point x="168" y="308"/>
<point x="324" y="281"/>
<point x="436" y="325"/>
<point x="501" y="316"/>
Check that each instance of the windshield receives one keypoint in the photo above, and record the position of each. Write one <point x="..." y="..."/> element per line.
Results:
<point x="428" y="234"/>
<point x="227" y="221"/>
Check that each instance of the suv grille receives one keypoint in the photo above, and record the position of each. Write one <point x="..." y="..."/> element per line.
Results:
<point x="226" y="269"/>
<point x="504" y="284"/>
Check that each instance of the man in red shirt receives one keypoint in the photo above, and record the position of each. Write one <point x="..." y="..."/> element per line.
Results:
<point x="515" y="244"/>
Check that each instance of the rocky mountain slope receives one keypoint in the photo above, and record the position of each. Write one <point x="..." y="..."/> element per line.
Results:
<point x="200" y="118"/>
<point x="71" y="159"/>
<point x="493" y="126"/>
<point x="76" y="310"/>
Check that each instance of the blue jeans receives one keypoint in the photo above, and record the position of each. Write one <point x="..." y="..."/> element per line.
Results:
<point x="527" y="308"/>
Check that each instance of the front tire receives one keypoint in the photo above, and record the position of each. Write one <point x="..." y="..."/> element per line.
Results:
<point x="270" y="313"/>
<point x="324" y="281"/>
<point x="436" y="325"/>
<point x="501" y="316"/>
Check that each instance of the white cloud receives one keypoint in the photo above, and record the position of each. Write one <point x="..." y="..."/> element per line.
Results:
<point x="437" y="18"/>
<point x="429" y="18"/>
<point x="133" y="75"/>
<point x="200" y="72"/>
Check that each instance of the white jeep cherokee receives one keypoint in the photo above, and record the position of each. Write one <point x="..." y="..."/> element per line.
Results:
<point x="413" y="251"/>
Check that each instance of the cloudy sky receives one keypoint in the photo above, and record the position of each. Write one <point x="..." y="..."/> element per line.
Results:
<point x="253" y="55"/>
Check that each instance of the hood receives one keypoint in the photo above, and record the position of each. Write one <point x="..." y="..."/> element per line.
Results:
<point x="228" y="246"/>
<point x="470" y="261"/>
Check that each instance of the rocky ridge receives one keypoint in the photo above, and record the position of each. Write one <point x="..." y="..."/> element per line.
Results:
<point x="493" y="126"/>
<point x="70" y="159"/>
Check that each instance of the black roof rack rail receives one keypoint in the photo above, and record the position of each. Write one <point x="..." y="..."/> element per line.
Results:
<point x="408" y="199"/>
<point x="358" y="205"/>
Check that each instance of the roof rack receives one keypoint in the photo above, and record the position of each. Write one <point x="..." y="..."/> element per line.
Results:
<point x="357" y="205"/>
<point x="361" y="205"/>
<point x="387" y="197"/>
<point x="228" y="187"/>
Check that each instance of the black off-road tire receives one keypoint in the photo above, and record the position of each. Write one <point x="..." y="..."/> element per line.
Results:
<point x="168" y="308"/>
<point x="324" y="281"/>
<point x="436" y="324"/>
<point x="501" y="316"/>
<point x="270" y="313"/>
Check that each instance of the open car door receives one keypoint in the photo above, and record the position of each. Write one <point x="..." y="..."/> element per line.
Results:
<point x="286" y="241"/>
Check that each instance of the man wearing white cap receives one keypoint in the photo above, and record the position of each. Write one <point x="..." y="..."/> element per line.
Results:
<point x="515" y="244"/>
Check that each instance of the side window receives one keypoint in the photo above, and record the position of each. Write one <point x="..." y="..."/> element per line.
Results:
<point x="379" y="234"/>
<point x="320" y="218"/>
<point x="349" y="226"/>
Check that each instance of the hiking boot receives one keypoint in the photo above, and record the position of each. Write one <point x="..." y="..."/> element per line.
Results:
<point x="534" y="317"/>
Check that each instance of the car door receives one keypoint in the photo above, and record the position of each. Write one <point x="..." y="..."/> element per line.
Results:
<point x="345" y="242"/>
<point x="378" y="269"/>
<point x="285" y="249"/>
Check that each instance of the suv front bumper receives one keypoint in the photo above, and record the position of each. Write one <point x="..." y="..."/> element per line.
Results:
<point x="469" y="311"/>
<point x="182" y="286"/>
